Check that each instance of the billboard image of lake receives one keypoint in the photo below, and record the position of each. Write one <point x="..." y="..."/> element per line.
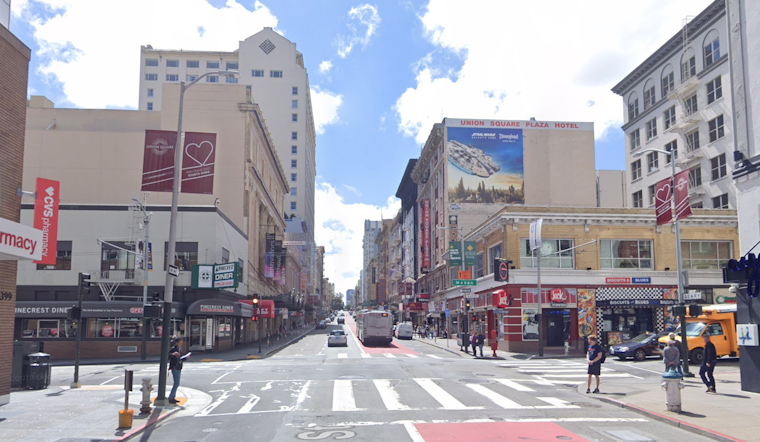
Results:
<point x="485" y="165"/>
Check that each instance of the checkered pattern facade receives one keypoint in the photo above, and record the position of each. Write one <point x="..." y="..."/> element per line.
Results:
<point x="615" y="293"/>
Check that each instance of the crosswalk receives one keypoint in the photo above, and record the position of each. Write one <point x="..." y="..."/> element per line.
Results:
<point x="375" y="395"/>
<point x="345" y="355"/>
<point x="559" y="371"/>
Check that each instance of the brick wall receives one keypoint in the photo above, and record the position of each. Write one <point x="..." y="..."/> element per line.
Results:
<point x="14" y="70"/>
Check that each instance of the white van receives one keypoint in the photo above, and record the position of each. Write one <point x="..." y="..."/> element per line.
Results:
<point x="404" y="331"/>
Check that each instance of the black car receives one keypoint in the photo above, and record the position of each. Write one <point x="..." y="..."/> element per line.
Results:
<point x="638" y="348"/>
<point x="341" y="320"/>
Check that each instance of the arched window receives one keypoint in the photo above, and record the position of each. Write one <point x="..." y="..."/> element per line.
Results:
<point x="649" y="97"/>
<point x="633" y="106"/>
<point x="667" y="80"/>
<point x="688" y="65"/>
<point x="711" y="48"/>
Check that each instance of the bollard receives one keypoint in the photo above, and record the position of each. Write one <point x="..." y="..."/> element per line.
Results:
<point x="672" y="385"/>
<point x="125" y="415"/>
<point x="147" y="387"/>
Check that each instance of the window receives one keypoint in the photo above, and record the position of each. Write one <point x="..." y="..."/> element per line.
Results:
<point x="293" y="163"/>
<point x="114" y="327"/>
<point x="192" y="63"/>
<point x="294" y="135"/>
<point x="692" y="141"/>
<point x="716" y="130"/>
<point x="625" y="254"/>
<point x="231" y="65"/>
<point x="714" y="90"/>
<point x="62" y="258"/>
<point x="633" y="108"/>
<point x="718" y="166"/>
<point x="638" y="199"/>
<point x="48" y="328"/>
<point x="651" y="128"/>
<point x="651" y="194"/>
<point x="230" y="79"/>
<point x="552" y="255"/>
<point x="151" y="77"/>
<point x="690" y="105"/>
<point x="150" y="92"/>
<point x="698" y="205"/>
<point x="688" y="68"/>
<point x="667" y="83"/>
<point x="720" y="202"/>
<point x="695" y="177"/>
<point x="172" y="63"/>
<point x="479" y="266"/>
<point x="241" y="271"/>
<point x="172" y="77"/>
<point x="225" y="256"/>
<point x="649" y="97"/>
<point x="150" y="106"/>
<point x="294" y="149"/>
<point x="294" y="118"/>
<point x="293" y="205"/>
<point x="275" y="74"/>
<point x="635" y="138"/>
<point x="671" y="147"/>
<point x="212" y="79"/>
<point x="257" y="72"/>
<point x="704" y="255"/>
<point x="151" y="62"/>
<point x="712" y="52"/>
<point x="293" y="191"/>
<point x="294" y="104"/>
<point x="493" y="253"/>
<point x="669" y="117"/>
<point x="714" y="329"/>
<point x="294" y="177"/>
<point x="635" y="170"/>
<point x="186" y="255"/>
<point x="115" y="256"/>
<point x="295" y="90"/>
<point x="212" y="65"/>
<point x="653" y="162"/>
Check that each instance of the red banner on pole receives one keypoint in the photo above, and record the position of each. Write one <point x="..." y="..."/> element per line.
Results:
<point x="681" y="193"/>
<point x="46" y="218"/>
<point x="198" y="163"/>
<point x="662" y="196"/>
<point x="158" y="161"/>
<point x="425" y="228"/>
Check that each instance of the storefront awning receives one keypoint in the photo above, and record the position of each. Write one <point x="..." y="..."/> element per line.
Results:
<point x="90" y="309"/>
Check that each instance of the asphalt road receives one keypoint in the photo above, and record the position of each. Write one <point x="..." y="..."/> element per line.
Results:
<point x="409" y="391"/>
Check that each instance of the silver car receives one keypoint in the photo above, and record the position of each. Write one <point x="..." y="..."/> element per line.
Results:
<point x="337" y="337"/>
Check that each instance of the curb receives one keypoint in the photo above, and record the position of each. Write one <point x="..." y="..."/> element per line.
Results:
<point x="669" y="420"/>
<point x="273" y="351"/>
<point x="145" y="426"/>
<point x="455" y="352"/>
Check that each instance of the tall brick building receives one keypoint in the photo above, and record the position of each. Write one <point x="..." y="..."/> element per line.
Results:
<point x="14" y="70"/>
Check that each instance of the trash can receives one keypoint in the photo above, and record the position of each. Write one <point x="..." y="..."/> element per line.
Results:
<point x="37" y="371"/>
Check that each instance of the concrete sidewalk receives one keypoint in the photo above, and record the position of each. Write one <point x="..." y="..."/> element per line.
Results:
<point x="451" y="346"/>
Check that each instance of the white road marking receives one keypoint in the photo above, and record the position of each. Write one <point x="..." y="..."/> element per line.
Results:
<point x="342" y="355"/>
<point x="435" y="357"/>
<point x="302" y="395"/>
<point x="389" y="395"/>
<point x="413" y="356"/>
<point x="639" y="368"/>
<point x="219" y="401"/>
<point x="556" y="402"/>
<point x="366" y="355"/>
<point x="389" y="355"/>
<point x="220" y="377"/>
<point x="446" y="400"/>
<point x="104" y="383"/>
<point x="268" y="386"/>
<point x="496" y="398"/>
<point x="249" y="405"/>
<point x="343" y="396"/>
<point x="413" y="433"/>
<point x="513" y="384"/>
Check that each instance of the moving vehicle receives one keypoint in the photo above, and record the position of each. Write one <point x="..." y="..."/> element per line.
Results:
<point x="322" y="324"/>
<point x="717" y="321"/>
<point x="404" y="331"/>
<point x="337" y="337"/>
<point x="638" y="348"/>
<point x="341" y="320"/>
<point x="373" y="326"/>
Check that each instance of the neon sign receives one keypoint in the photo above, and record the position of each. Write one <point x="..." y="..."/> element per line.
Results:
<point x="744" y="271"/>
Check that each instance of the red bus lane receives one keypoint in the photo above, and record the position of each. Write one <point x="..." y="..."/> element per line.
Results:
<point x="394" y="347"/>
<point x="495" y="431"/>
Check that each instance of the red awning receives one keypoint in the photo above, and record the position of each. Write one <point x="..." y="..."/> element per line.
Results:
<point x="266" y="307"/>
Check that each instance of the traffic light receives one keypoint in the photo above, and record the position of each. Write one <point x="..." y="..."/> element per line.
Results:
<point x="255" y="318"/>
<point x="474" y="318"/>
<point x="467" y="306"/>
<point x="255" y="299"/>
<point x="84" y="283"/>
<point x="679" y="310"/>
<point x="74" y="313"/>
<point x="695" y="310"/>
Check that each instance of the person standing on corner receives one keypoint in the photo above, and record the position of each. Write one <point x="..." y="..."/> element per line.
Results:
<point x="594" y="359"/>
<point x="481" y="341"/>
<point x="671" y="356"/>
<point x="709" y="358"/>
<point x="175" y="367"/>
<point x="474" y="343"/>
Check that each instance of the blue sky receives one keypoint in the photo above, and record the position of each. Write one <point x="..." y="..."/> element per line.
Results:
<point x="411" y="63"/>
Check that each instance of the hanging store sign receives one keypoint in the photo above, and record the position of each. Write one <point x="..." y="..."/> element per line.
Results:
<point x="425" y="230"/>
<point x="470" y="254"/>
<point x="46" y="218"/>
<point x="215" y="276"/>
<point x="455" y="254"/>
<point x="18" y="242"/>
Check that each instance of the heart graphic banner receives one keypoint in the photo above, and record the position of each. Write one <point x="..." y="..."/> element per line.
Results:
<point x="662" y="195"/>
<point x="681" y="193"/>
<point x="198" y="163"/>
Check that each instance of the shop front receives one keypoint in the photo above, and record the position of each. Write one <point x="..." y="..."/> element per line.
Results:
<point x="216" y="324"/>
<point x="624" y="312"/>
<point x="559" y="318"/>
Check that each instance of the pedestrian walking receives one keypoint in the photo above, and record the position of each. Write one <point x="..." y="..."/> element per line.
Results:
<point x="709" y="358"/>
<point x="175" y="367"/>
<point x="481" y="341"/>
<point x="677" y="344"/>
<point x="474" y="342"/>
<point x="671" y="356"/>
<point x="594" y="359"/>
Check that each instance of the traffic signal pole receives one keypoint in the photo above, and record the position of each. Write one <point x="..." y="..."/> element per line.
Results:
<point x="540" y="309"/>
<point x="84" y="285"/>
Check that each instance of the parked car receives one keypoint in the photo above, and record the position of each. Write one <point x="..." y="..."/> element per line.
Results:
<point x="638" y="348"/>
<point x="322" y="324"/>
<point x="337" y="337"/>
<point x="403" y="331"/>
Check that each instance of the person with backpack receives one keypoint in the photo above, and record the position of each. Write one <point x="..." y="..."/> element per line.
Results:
<point x="595" y="357"/>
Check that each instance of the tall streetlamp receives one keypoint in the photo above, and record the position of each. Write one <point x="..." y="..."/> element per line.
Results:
<point x="169" y="285"/>
<point x="679" y="265"/>
<point x="146" y="322"/>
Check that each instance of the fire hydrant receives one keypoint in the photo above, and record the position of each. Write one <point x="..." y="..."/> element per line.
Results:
<point x="671" y="383"/>
<point x="494" y="342"/>
<point x="145" y="402"/>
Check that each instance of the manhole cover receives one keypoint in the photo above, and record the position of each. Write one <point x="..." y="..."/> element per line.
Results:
<point x="210" y="430"/>
<point x="473" y="381"/>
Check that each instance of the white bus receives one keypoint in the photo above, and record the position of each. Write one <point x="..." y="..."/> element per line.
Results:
<point x="374" y="327"/>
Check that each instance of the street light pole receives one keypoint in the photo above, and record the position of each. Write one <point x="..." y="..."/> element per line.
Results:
<point x="145" y="321"/>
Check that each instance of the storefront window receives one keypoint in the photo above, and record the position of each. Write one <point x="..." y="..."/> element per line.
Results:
<point x="130" y="328"/>
<point x="186" y="255"/>
<point x="479" y="267"/>
<point x="48" y="328"/>
<point x="493" y="253"/>
<point x="552" y="254"/>
<point x="701" y="255"/>
<point x="224" y="327"/>
<point x="62" y="259"/>
<point x="625" y="254"/>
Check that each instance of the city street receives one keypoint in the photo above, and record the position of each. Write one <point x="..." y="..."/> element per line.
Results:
<point x="410" y="391"/>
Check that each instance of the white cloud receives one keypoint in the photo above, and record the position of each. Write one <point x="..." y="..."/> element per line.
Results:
<point x="367" y="17"/>
<point x="93" y="48"/>
<point x="340" y="228"/>
<point x="352" y="189"/>
<point x="520" y="61"/>
<point x="325" y="66"/>
<point x="325" y="105"/>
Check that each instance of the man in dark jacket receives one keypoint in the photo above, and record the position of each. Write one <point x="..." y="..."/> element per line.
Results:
<point x="175" y="367"/>
<point x="709" y="358"/>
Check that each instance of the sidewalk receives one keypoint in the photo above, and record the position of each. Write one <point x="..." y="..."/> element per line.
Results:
<point x="451" y="346"/>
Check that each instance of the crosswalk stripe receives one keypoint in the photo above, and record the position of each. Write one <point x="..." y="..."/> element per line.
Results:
<point x="513" y="384"/>
<point x="412" y="356"/>
<point x="366" y="355"/>
<point x="389" y="395"/>
<point x="342" y="355"/>
<point x="608" y="375"/>
<point x="556" y="402"/>
<point x="435" y="357"/>
<point x="343" y="396"/>
<point x="390" y="355"/>
<point x="496" y="398"/>
<point x="446" y="400"/>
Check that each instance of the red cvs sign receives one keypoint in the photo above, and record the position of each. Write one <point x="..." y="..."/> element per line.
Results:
<point x="46" y="218"/>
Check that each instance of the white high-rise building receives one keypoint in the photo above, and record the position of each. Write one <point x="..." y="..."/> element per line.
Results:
<point x="679" y="100"/>
<point x="274" y="70"/>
